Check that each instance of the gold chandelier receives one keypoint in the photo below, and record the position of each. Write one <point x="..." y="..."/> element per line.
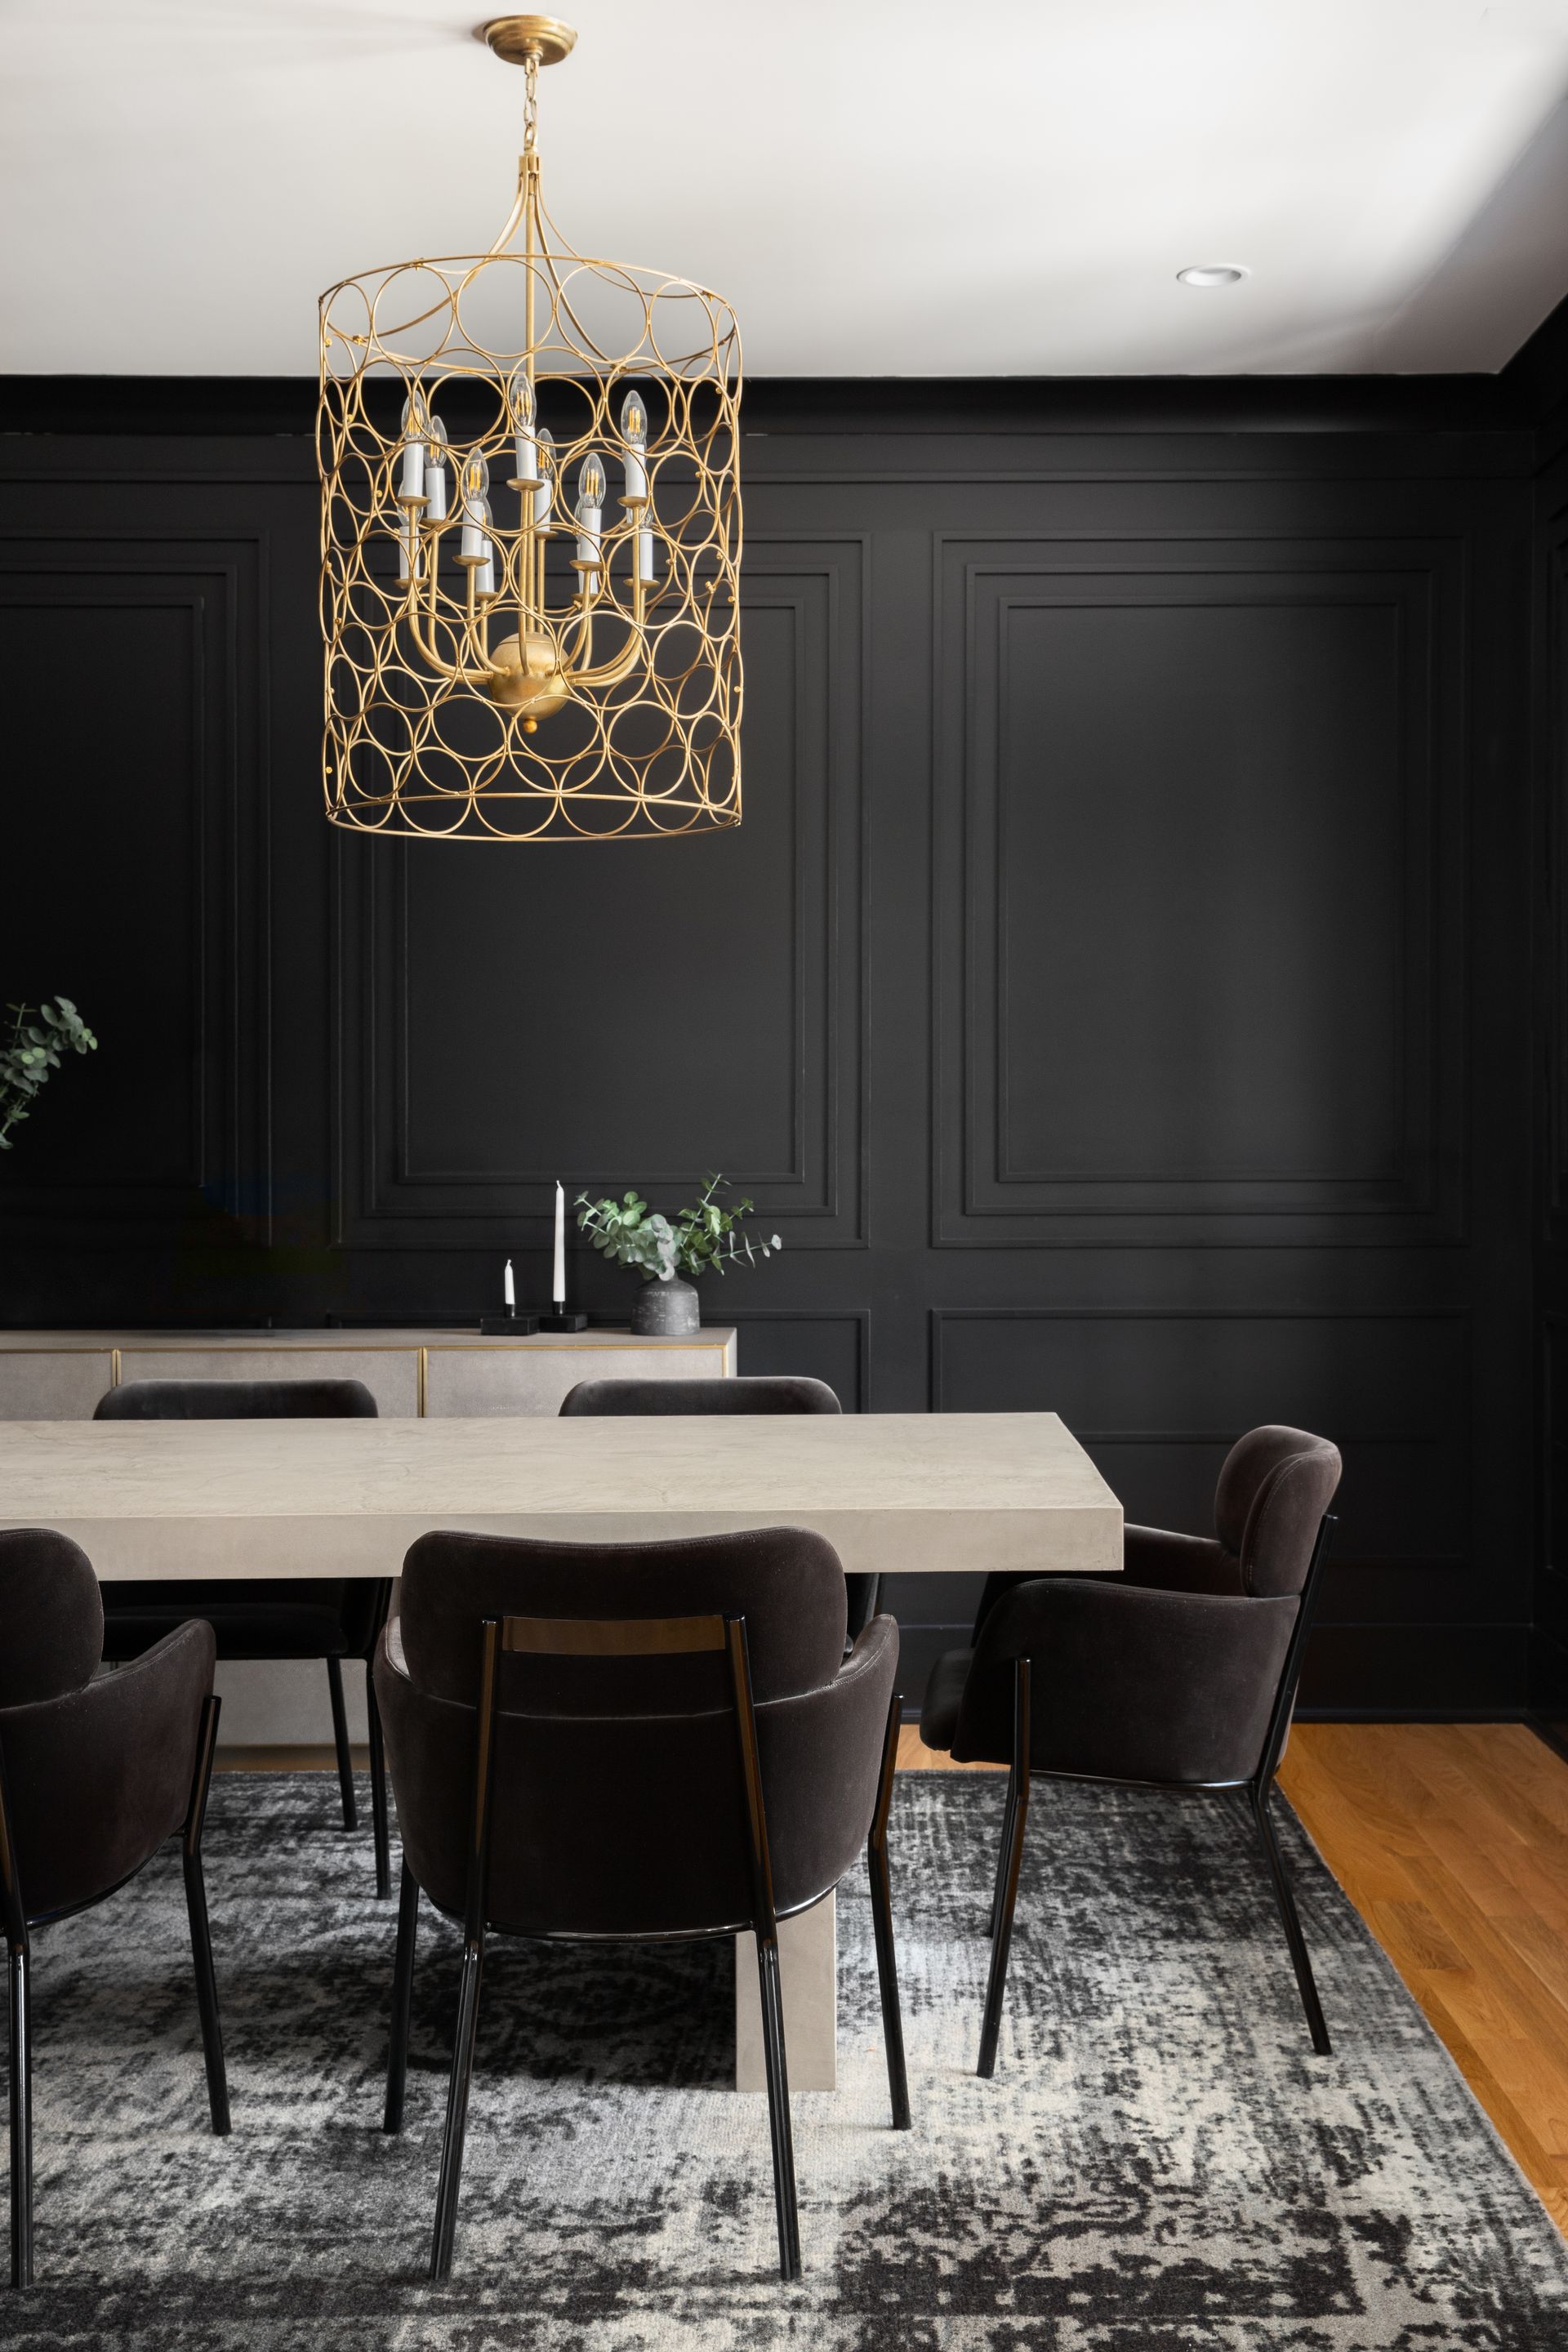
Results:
<point x="531" y="536"/>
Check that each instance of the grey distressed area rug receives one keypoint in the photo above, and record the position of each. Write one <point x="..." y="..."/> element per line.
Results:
<point x="1159" y="2165"/>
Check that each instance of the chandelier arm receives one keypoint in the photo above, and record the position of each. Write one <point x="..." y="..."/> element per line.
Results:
<point x="459" y="673"/>
<point x="611" y="673"/>
<point x="428" y="653"/>
<point x="474" y="627"/>
<point x="620" y="665"/>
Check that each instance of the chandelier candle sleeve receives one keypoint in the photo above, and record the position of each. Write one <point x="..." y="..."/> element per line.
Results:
<point x="516" y="654"/>
<point x="590" y="510"/>
<point x="436" y="473"/>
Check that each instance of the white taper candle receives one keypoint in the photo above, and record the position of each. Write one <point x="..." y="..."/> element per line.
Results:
<point x="558" y="1291"/>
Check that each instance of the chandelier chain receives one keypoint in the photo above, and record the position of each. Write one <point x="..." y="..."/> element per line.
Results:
<point x="531" y="103"/>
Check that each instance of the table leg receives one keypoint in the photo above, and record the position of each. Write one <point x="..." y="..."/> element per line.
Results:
<point x="808" y="1956"/>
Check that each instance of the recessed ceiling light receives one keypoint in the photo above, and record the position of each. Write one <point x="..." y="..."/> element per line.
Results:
<point x="1212" y="273"/>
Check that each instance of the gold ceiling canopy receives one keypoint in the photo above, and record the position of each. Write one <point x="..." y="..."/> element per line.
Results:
<point x="531" y="536"/>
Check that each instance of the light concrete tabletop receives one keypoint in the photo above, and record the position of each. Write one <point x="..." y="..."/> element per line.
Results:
<point x="896" y="1493"/>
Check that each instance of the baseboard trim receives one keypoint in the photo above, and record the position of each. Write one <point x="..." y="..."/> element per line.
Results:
<point x="286" y="1759"/>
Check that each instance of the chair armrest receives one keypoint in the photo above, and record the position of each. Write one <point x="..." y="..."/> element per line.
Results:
<point x="1159" y="1561"/>
<point x="97" y="1779"/>
<point x="1128" y="1682"/>
<point x="875" y="1637"/>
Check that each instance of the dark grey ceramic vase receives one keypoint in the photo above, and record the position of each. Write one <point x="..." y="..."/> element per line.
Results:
<point x="667" y="1311"/>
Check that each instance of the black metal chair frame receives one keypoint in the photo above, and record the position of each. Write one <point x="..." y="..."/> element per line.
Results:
<point x="622" y="1637"/>
<point x="20" y="1921"/>
<point x="1255" y="1791"/>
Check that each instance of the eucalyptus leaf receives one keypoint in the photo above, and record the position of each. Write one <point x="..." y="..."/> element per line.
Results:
<point x="32" y="1052"/>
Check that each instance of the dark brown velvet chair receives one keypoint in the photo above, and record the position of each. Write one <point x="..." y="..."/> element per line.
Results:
<point x="773" y="1393"/>
<point x="569" y="1767"/>
<point x="1179" y="1673"/>
<point x="94" y="1775"/>
<point x="263" y="1617"/>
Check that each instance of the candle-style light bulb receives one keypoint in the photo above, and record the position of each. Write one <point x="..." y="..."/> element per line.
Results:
<point x="476" y="482"/>
<point x="436" y="473"/>
<point x="589" y="507"/>
<point x="633" y="431"/>
<point x="544" y="451"/>
<point x="415" y="426"/>
<point x="521" y="398"/>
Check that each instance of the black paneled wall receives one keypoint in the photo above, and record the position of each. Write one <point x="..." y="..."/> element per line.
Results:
<point x="1117" y="995"/>
<point x="1549" y="1669"/>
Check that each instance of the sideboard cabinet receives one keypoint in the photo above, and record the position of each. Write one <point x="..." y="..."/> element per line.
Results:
<point x="60" y="1375"/>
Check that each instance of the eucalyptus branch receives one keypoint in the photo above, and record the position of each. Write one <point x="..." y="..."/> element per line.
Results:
<point x="35" y="1049"/>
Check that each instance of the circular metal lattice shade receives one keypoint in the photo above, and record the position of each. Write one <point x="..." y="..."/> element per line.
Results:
<point x="531" y="544"/>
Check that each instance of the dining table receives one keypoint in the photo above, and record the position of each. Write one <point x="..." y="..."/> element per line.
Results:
<point x="896" y="1494"/>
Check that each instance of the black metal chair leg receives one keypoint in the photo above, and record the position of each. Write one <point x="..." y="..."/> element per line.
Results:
<point x="377" y="1788"/>
<point x="458" y="2108"/>
<point x="1305" y="1984"/>
<point x="1009" y="1815"/>
<point x="21" y="2120"/>
<point x="882" y="1921"/>
<point x="341" y="1741"/>
<point x="778" y="2105"/>
<point x="196" y="1908"/>
<point x="402" y="2000"/>
<point x="206" y="1995"/>
<point x="1012" y="1855"/>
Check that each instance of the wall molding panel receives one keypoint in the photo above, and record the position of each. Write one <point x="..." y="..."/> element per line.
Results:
<point x="154" y="649"/>
<point x="1118" y="995"/>
<point x="1161" y="1125"/>
<point x="397" y="1184"/>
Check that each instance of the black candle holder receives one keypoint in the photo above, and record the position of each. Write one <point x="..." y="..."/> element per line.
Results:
<point x="510" y="1326"/>
<point x="563" y="1318"/>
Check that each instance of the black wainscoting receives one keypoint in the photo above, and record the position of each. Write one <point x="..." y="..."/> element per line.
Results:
<point x="1117" y="994"/>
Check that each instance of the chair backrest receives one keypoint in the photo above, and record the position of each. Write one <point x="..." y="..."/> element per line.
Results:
<point x="619" y="1798"/>
<point x="781" y="1392"/>
<point x="237" y="1401"/>
<point x="785" y="1582"/>
<point x="52" y="1616"/>
<point x="1274" y="1488"/>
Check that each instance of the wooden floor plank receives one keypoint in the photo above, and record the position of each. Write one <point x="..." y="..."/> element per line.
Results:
<point x="1474" y="1817"/>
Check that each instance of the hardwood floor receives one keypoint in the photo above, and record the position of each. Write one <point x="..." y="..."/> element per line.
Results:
<point x="1451" y="1840"/>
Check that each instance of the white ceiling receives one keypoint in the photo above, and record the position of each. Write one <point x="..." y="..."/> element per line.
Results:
<point x="881" y="187"/>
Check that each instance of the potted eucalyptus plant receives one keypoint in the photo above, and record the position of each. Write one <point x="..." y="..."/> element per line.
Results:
<point x="672" y="1254"/>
